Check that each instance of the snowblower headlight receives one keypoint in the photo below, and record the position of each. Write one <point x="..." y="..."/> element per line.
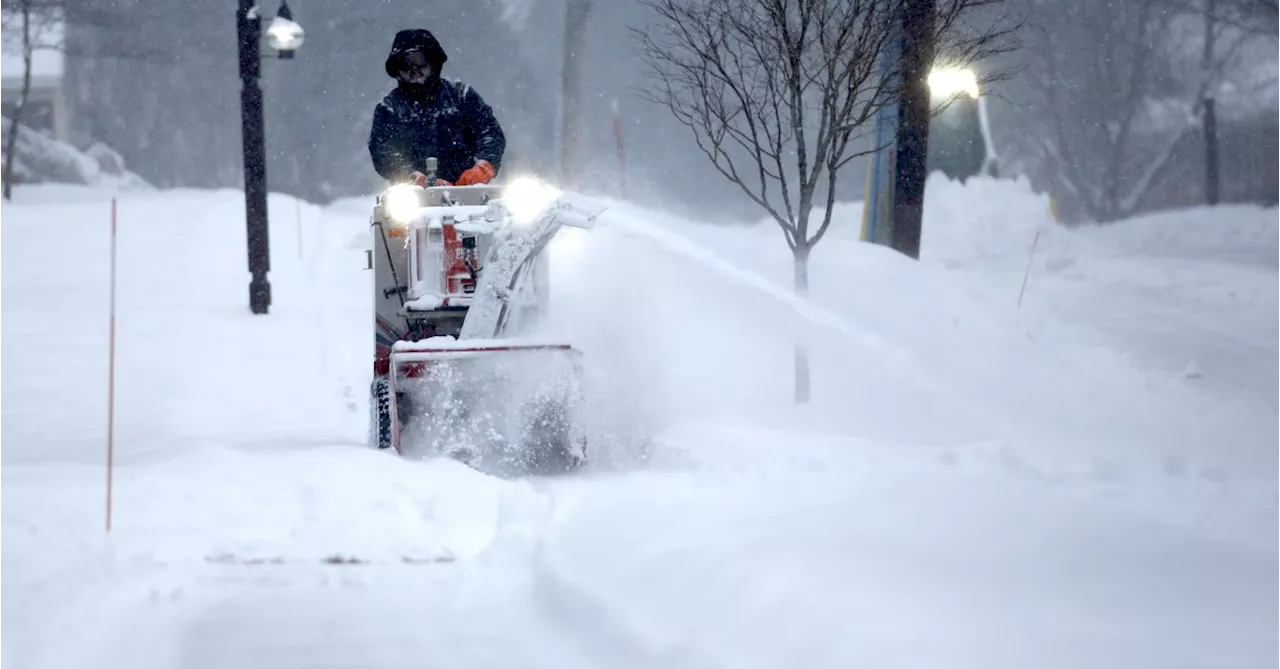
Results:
<point x="526" y="197"/>
<point x="402" y="203"/>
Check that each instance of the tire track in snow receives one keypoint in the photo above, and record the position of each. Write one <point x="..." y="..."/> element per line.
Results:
<point x="603" y="630"/>
<point x="147" y="596"/>
<point x="168" y="612"/>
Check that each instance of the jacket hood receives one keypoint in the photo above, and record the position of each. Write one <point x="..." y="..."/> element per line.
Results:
<point x="416" y="39"/>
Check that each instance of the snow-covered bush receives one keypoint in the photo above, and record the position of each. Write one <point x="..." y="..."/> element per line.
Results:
<point x="40" y="158"/>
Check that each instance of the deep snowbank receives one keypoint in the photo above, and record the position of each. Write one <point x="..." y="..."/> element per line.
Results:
<point x="1184" y="299"/>
<point x="987" y="220"/>
<point x="970" y="474"/>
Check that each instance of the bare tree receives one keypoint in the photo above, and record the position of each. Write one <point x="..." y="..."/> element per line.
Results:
<point x="1268" y="9"/>
<point x="42" y="25"/>
<point x="29" y="21"/>
<point x="1119" y="92"/>
<point x="1209" y="114"/>
<point x="779" y="94"/>
<point x="1261" y="15"/>
<point x="1226" y="26"/>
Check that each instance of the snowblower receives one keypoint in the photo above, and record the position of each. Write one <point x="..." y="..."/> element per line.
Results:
<point x="460" y="284"/>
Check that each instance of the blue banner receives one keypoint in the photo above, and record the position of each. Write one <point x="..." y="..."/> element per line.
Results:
<point x="877" y="211"/>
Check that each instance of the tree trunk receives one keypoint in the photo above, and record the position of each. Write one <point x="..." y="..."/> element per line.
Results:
<point x="11" y="140"/>
<point x="803" y="380"/>
<point x="1211" y="173"/>
<point x="575" y="43"/>
<point x="1209" y="116"/>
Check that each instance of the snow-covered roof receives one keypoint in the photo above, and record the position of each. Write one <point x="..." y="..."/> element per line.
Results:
<point x="45" y="62"/>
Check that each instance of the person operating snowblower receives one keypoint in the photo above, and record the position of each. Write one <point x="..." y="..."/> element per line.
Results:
<point x="460" y="283"/>
<point x="427" y="116"/>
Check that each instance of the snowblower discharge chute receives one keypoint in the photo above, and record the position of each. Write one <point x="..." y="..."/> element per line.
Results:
<point x="460" y="283"/>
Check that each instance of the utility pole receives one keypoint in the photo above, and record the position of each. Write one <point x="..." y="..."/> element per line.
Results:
<point x="249" y="33"/>
<point x="911" y="164"/>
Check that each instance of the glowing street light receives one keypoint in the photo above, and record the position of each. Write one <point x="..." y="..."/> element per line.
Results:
<point x="948" y="82"/>
<point x="960" y="145"/>
<point x="283" y="34"/>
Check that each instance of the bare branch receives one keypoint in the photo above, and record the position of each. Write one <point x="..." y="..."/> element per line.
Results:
<point x="777" y="93"/>
<point x="26" y="21"/>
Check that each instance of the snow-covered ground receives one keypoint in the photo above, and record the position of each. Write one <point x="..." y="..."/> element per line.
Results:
<point x="975" y="484"/>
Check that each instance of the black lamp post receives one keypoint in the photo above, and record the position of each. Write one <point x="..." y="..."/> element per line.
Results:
<point x="284" y="36"/>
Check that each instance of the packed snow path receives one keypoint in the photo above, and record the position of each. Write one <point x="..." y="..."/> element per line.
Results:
<point x="970" y="486"/>
<point x="250" y="564"/>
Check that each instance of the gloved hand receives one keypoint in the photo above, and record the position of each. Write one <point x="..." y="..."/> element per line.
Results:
<point x="480" y="174"/>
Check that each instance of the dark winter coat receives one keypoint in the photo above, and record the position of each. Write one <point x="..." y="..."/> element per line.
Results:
<point x="443" y="118"/>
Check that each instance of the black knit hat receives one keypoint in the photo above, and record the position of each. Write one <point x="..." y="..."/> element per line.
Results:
<point x="415" y="39"/>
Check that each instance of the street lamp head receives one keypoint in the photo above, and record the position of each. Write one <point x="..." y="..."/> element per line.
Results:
<point x="948" y="82"/>
<point x="284" y="35"/>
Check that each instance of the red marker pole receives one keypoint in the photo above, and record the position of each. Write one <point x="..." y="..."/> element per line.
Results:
<point x="111" y="366"/>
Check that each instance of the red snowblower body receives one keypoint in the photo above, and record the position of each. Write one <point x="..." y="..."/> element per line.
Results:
<point x="460" y="284"/>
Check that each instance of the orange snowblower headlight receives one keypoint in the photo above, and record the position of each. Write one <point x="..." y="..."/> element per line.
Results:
<point x="402" y="203"/>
